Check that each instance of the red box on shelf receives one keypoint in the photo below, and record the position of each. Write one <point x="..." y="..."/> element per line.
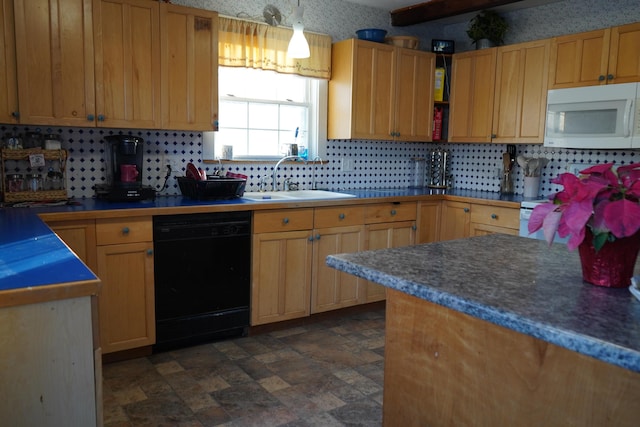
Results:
<point x="437" y="124"/>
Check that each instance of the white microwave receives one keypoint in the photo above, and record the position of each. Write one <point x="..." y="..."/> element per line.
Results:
<point x="600" y="117"/>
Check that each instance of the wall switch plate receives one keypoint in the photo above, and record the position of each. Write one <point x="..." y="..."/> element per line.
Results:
<point x="575" y="168"/>
<point x="346" y="164"/>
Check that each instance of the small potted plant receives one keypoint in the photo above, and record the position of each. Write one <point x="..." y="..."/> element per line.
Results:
<point x="600" y="213"/>
<point x="487" y="29"/>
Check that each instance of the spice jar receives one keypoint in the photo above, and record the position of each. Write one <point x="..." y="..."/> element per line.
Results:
<point x="52" y="141"/>
<point x="12" y="142"/>
<point x="54" y="180"/>
<point x="34" y="182"/>
<point x="32" y="140"/>
<point x="15" y="183"/>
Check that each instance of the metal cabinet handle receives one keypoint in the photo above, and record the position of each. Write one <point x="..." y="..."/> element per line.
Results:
<point x="493" y="135"/>
<point x="318" y="236"/>
<point x="125" y="230"/>
<point x="393" y="212"/>
<point x="494" y="216"/>
<point x="15" y="114"/>
<point x="600" y="77"/>
<point x="310" y="238"/>
<point x="149" y="251"/>
<point x="609" y="76"/>
<point x="414" y="227"/>
<point x="101" y="117"/>
<point x="466" y="210"/>
<point x="285" y="220"/>
<point x="341" y="216"/>
<point x="91" y="117"/>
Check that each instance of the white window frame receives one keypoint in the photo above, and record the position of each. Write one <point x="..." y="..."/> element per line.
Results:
<point x="316" y="122"/>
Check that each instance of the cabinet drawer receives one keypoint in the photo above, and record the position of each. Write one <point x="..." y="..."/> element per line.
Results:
<point x="390" y="212"/>
<point x="284" y="220"/>
<point x="497" y="216"/>
<point x="116" y="231"/>
<point x="338" y="217"/>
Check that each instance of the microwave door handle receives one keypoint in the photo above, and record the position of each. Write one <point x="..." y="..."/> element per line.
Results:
<point x="627" y="118"/>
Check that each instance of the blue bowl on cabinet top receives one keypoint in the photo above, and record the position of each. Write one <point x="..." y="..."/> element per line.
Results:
<point x="372" y="34"/>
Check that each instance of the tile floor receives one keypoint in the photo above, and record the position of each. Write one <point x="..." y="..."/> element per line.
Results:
<point x="327" y="373"/>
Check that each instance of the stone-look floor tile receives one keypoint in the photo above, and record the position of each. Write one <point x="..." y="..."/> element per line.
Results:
<point x="362" y="413"/>
<point x="169" y="367"/>
<point x="327" y="373"/>
<point x="273" y="383"/>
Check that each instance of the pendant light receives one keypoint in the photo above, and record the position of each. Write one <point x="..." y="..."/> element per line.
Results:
<point x="298" y="45"/>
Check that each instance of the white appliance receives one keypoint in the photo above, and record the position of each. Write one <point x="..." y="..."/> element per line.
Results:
<point x="601" y="117"/>
<point x="526" y="207"/>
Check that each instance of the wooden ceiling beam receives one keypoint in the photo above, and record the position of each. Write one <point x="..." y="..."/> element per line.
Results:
<point x="437" y="9"/>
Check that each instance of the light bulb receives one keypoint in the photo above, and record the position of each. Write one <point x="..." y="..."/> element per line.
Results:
<point x="298" y="45"/>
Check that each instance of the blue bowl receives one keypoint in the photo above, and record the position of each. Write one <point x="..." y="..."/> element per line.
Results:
<point x="372" y="34"/>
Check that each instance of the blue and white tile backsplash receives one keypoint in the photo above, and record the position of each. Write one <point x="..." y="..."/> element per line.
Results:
<point x="376" y="164"/>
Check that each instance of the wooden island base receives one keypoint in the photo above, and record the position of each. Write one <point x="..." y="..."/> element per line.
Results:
<point x="443" y="367"/>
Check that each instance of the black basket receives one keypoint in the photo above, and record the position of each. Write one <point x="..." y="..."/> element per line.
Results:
<point x="214" y="188"/>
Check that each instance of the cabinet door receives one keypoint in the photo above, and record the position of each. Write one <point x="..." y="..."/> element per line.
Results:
<point x="189" y="68"/>
<point x="54" y="51"/>
<point x="579" y="59"/>
<point x="472" y="94"/>
<point x="330" y="288"/>
<point x="521" y="93"/>
<point x="127" y="63"/>
<point x="429" y="218"/>
<point x="373" y="91"/>
<point x="387" y="235"/>
<point x="414" y="95"/>
<point x="624" y="54"/>
<point x="80" y="236"/>
<point x="8" y="82"/>
<point x="280" y="276"/>
<point x="479" y="229"/>
<point x="455" y="220"/>
<point x="126" y="301"/>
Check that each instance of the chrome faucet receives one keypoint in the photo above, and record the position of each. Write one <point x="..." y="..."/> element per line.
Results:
<point x="274" y="182"/>
<point x="313" y="180"/>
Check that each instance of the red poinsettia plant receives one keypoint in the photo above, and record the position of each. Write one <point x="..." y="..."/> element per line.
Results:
<point x="601" y="198"/>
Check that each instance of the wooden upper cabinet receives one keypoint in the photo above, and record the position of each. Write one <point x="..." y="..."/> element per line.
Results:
<point x="54" y="52"/>
<point x="624" y="53"/>
<point x="380" y="92"/>
<point x="8" y="82"/>
<point x="127" y="63"/>
<point x="414" y="95"/>
<point x="521" y="92"/>
<point x="598" y="57"/>
<point x="472" y="95"/>
<point x="189" y="68"/>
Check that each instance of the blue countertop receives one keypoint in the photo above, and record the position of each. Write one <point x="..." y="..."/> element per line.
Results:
<point x="515" y="282"/>
<point x="32" y="255"/>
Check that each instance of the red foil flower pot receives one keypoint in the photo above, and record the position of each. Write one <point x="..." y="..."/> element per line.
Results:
<point x="612" y="266"/>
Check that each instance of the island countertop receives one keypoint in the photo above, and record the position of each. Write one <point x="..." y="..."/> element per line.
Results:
<point x="518" y="283"/>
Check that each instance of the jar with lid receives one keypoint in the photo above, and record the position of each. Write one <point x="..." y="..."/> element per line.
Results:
<point x="52" y="141"/>
<point x="34" y="182"/>
<point x="54" y="180"/>
<point x="12" y="142"/>
<point x="32" y="140"/>
<point x="15" y="183"/>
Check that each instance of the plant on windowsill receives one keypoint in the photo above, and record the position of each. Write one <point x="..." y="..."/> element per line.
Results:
<point x="600" y="212"/>
<point x="487" y="25"/>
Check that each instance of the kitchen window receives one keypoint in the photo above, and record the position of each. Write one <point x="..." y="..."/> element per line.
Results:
<point x="261" y="112"/>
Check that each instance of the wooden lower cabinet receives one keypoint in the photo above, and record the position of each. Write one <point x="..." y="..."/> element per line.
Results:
<point x="125" y="267"/>
<point x="80" y="236"/>
<point x="461" y="219"/>
<point x="429" y="219"/>
<point x="281" y="265"/>
<point x="338" y="230"/>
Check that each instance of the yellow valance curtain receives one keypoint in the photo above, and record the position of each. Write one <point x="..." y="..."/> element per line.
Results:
<point x="254" y="45"/>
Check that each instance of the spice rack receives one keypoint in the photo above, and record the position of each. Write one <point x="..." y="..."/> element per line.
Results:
<point x="23" y="156"/>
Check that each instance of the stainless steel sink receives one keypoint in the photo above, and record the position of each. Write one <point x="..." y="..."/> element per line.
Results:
<point x="284" y="196"/>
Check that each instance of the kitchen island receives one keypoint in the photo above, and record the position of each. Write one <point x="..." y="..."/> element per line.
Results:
<point x="501" y="330"/>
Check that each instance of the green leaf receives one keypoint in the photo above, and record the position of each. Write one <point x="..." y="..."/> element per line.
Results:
<point x="599" y="240"/>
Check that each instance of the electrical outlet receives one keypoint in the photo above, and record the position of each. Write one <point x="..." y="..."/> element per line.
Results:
<point x="575" y="168"/>
<point x="346" y="164"/>
<point x="167" y="161"/>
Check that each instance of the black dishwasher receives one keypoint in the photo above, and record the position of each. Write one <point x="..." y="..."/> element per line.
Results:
<point x="202" y="277"/>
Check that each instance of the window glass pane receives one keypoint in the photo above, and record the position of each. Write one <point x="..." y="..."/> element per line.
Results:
<point x="233" y="114"/>
<point x="263" y="116"/>
<point x="263" y="142"/>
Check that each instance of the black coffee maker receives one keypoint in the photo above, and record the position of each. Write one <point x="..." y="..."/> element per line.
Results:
<point x="124" y="170"/>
